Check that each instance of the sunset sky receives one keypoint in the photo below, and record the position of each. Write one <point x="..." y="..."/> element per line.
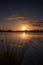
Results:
<point x="21" y="14"/>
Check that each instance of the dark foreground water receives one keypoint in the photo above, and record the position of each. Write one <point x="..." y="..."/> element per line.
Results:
<point x="21" y="48"/>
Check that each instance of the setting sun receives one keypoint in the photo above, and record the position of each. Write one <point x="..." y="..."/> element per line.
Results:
<point x="24" y="28"/>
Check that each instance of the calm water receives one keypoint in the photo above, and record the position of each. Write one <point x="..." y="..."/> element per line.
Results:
<point x="26" y="48"/>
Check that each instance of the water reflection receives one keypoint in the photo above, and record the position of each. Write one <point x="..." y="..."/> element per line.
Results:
<point x="22" y="46"/>
<point x="24" y="35"/>
<point x="20" y="36"/>
<point x="20" y="39"/>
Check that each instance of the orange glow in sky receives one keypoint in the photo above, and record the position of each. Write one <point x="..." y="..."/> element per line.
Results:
<point x="23" y="28"/>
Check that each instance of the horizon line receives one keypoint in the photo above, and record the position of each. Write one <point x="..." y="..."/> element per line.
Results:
<point x="21" y="31"/>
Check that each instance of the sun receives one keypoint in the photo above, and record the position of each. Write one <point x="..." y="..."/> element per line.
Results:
<point x="23" y="28"/>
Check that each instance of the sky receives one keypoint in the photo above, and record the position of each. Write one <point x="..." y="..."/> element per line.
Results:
<point x="14" y="14"/>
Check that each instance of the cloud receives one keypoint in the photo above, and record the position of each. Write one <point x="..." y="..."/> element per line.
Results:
<point x="14" y="22"/>
<point x="15" y="18"/>
<point x="38" y="23"/>
<point x="18" y="20"/>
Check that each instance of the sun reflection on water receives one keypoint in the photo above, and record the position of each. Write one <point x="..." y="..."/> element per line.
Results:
<point x="20" y="38"/>
<point x="24" y="35"/>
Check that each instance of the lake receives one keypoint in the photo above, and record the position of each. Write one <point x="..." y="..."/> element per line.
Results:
<point x="23" y="48"/>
